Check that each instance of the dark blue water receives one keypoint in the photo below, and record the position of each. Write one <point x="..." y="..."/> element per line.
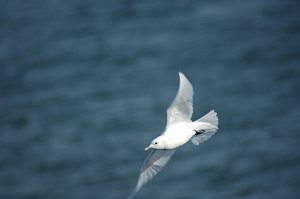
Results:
<point x="84" y="86"/>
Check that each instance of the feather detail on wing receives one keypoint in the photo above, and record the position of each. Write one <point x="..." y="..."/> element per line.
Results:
<point x="181" y="109"/>
<point x="153" y="164"/>
<point x="197" y="139"/>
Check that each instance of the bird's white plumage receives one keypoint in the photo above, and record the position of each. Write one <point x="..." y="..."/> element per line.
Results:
<point x="181" y="109"/>
<point x="211" y="117"/>
<point x="179" y="130"/>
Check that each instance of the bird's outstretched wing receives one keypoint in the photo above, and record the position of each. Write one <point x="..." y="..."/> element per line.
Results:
<point x="181" y="109"/>
<point x="153" y="164"/>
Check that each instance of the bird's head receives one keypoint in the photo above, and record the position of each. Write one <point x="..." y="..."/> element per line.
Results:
<point x="157" y="143"/>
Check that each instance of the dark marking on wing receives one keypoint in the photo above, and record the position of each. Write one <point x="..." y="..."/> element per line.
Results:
<point x="199" y="132"/>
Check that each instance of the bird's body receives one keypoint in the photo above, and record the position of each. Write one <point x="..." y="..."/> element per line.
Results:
<point x="178" y="134"/>
<point x="179" y="130"/>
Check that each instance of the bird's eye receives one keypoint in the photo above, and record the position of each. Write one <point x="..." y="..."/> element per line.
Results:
<point x="155" y="143"/>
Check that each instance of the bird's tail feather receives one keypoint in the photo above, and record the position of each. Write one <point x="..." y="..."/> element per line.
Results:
<point x="211" y="117"/>
<point x="209" y="123"/>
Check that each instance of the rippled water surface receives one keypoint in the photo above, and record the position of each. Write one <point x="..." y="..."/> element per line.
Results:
<point x="84" y="86"/>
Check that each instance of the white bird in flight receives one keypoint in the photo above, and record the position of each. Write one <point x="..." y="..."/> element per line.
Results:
<point x="179" y="130"/>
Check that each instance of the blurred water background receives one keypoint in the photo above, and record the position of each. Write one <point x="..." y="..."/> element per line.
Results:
<point x="84" y="86"/>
